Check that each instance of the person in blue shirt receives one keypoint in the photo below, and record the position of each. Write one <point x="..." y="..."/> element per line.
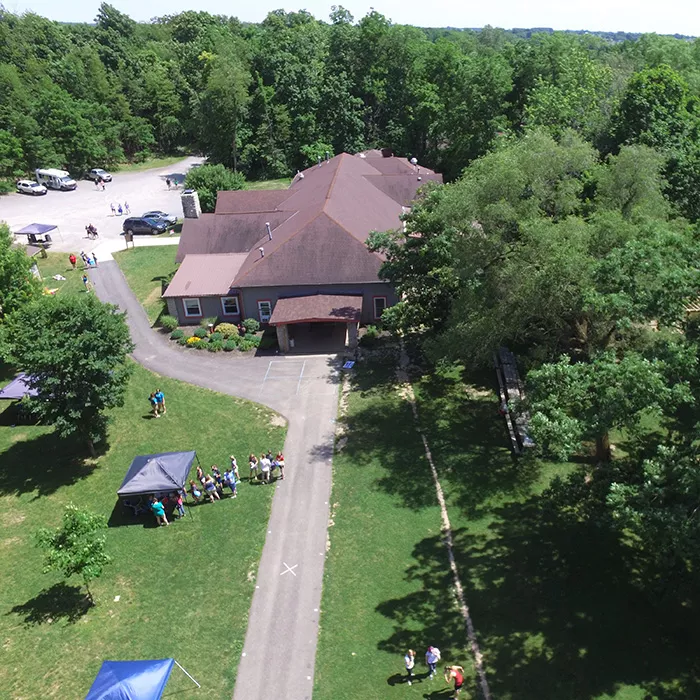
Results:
<point x="160" y="400"/>
<point x="230" y="481"/>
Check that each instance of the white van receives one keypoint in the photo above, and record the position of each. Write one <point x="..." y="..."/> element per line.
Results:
<point x="55" y="179"/>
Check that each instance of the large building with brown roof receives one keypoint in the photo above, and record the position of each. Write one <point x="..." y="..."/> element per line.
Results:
<point x="264" y="246"/>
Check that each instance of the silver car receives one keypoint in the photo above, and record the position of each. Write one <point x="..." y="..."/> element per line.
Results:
<point x="167" y="219"/>
<point x="98" y="174"/>
<point x="30" y="187"/>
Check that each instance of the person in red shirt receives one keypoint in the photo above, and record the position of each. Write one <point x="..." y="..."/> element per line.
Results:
<point x="456" y="673"/>
<point x="72" y="259"/>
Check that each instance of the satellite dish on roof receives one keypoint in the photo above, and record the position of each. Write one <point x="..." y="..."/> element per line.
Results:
<point x="414" y="161"/>
<point x="362" y="155"/>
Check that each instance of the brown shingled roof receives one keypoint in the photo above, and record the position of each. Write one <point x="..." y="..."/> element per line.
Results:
<point x="245" y="201"/>
<point x="317" y="307"/>
<point x="205" y="275"/>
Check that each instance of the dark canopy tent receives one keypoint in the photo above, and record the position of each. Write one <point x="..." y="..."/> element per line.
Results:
<point x="18" y="388"/>
<point x="132" y="680"/>
<point x="166" y="471"/>
<point x="37" y="229"/>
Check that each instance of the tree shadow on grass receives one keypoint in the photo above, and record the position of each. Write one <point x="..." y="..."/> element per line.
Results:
<point x="61" y="602"/>
<point x="42" y="465"/>
<point x="554" y="607"/>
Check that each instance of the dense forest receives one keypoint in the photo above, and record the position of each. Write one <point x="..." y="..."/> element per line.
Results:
<point x="266" y="99"/>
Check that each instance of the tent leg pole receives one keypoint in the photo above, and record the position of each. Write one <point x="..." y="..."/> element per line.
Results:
<point x="187" y="674"/>
<point x="197" y="456"/>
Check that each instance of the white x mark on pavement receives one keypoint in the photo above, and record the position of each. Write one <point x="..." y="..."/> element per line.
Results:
<point x="290" y="569"/>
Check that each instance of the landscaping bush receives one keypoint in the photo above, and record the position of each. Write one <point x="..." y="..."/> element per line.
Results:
<point x="182" y="341"/>
<point x="251" y="325"/>
<point x="177" y="334"/>
<point x="254" y="340"/>
<point x="216" y="336"/>
<point x="200" y="332"/>
<point x="193" y="341"/>
<point x="170" y="323"/>
<point x="370" y="336"/>
<point x="245" y="345"/>
<point x="230" y="345"/>
<point x="215" y="345"/>
<point x="227" y="329"/>
<point x="235" y="338"/>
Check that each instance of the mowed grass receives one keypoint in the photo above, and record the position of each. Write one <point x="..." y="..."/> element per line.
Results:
<point x="58" y="264"/>
<point x="280" y="184"/>
<point x="549" y="590"/>
<point x="184" y="590"/>
<point x="160" y="162"/>
<point x="145" y="270"/>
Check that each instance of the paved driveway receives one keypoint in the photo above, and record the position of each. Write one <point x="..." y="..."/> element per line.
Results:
<point x="280" y="644"/>
<point x="73" y="211"/>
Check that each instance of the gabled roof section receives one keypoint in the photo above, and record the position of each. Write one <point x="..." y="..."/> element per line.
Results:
<point x="319" y="252"/>
<point x="212" y="234"/>
<point x="205" y="275"/>
<point x="250" y="201"/>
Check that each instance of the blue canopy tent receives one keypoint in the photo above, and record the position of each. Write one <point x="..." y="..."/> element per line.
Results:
<point x="133" y="680"/>
<point x="39" y="233"/>
<point x="166" y="471"/>
<point x="18" y="388"/>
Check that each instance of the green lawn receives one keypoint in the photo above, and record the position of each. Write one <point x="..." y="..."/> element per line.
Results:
<point x="58" y="264"/>
<point x="280" y="184"/>
<point x="549" y="590"/>
<point x="145" y="269"/>
<point x="184" y="590"/>
<point x="160" y="162"/>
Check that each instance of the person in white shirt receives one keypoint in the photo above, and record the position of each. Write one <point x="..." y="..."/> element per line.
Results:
<point x="410" y="661"/>
<point x="432" y="658"/>
<point x="265" y="468"/>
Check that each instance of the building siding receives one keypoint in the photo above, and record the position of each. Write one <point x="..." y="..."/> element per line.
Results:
<point x="248" y="300"/>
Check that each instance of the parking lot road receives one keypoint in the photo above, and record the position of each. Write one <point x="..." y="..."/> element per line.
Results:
<point x="73" y="211"/>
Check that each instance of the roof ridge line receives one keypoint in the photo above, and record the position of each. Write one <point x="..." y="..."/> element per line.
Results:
<point x="282" y="244"/>
<point x="335" y="175"/>
<point x="354" y="238"/>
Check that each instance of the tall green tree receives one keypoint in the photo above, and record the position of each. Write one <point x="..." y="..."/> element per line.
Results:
<point x="210" y="179"/>
<point x="18" y="286"/>
<point x="75" y="349"/>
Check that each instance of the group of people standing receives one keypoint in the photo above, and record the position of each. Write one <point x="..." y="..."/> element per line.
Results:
<point x="261" y="469"/>
<point x="118" y="210"/>
<point x="212" y="485"/>
<point x="432" y="659"/>
<point x="157" y="506"/>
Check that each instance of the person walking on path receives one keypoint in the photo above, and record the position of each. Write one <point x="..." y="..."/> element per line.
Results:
<point x="120" y="211"/>
<point x="113" y="208"/>
<point x="167" y="182"/>
<point x="86" y="283"/>
<point x="94" y="259"/>
<point x="455" y="673"/>
<point x="84" y="258"/>
<point x="160" y="399"/>
<point x="432" y="658"/>
<point x="72" y="260"/>
<point x="127" y="208"/>
<point x="409" y="661"/>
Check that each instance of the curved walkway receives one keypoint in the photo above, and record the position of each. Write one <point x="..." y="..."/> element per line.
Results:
<point x="280" y="645"/>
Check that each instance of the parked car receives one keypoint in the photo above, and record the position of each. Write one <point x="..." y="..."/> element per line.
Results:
<point x="30" y="187"/>
<point x="168" y="219"/>
<point x="98" y="174"/>
<point x="140" y="224"/>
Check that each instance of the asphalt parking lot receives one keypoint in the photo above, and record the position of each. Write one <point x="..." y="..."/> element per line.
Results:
<point x="73" y="211"/>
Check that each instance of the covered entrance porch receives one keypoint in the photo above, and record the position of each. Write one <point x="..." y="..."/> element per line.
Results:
<point x="317" y="323"/>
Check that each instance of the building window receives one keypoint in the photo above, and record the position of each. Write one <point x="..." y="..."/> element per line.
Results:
<point x="229" y="305"/>
<point x="379" y="306"/>
<point x="192" y="307"/>
<point x="264" y="311"/>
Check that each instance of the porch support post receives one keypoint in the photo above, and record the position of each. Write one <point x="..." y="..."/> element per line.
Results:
<point x="282" y="337"/>
<point x="351" y="335"/>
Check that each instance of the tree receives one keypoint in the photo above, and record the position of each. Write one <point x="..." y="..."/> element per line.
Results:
<point x="210" y="179"/>
<point x="75" y="349"/>
<point x="570" y="402"/>
<point x="77" y="547"/>
<point x="18" y="286"/>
